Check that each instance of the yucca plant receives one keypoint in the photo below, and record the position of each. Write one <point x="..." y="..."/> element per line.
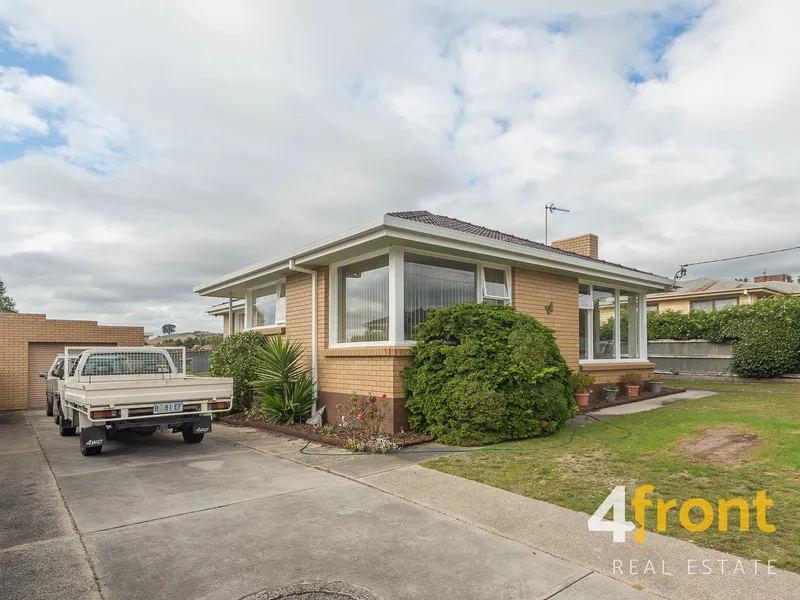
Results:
<point x="284" y="385"/>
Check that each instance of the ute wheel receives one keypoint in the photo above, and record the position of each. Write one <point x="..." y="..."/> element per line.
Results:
<point x="91" y="450"/>
<point x="64" y="428"/>
<point x="192" y="438"/>
<point x="48" y="408"/>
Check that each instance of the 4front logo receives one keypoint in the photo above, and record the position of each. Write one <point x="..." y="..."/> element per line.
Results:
<point x="615" y="502"/>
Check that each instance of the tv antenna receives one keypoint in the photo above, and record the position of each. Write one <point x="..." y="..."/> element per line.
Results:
<point x="548" y="209"/>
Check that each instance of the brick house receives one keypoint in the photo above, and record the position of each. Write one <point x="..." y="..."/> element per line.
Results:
<point x="353" y="300"/>
<point x="29" y="344"/>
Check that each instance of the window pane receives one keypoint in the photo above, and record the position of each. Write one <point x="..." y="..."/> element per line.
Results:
<point x="725" y="303"/>
<point x="280" y="308"/>
<point x="495" y="283"/>
<point x="629" y="324"/>
<point x="265" y="302"/>
<point x="364" y="301"/>
<point x="704" y="305"/>
<point x="603" y="323"/>
<point x="430" y="283"/>
<point x="584" y="304"/>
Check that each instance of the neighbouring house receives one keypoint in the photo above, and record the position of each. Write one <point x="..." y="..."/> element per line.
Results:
<point x="714" y="294"/>
<point x="30" y="343"/>
<point x="354" y="299"/>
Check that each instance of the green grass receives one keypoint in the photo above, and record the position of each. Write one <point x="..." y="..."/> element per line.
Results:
<point x="580" y="474"/>
<point x="736" y="387"/>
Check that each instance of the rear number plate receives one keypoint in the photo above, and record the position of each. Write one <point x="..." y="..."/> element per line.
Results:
<point x="167" y="407"/>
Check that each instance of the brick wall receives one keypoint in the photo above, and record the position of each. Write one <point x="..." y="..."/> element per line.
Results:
<point x="612" y="373"/>
<point x="533" y="292"/>
<point x="586" y="244"/>
<point x="18" y="330"/>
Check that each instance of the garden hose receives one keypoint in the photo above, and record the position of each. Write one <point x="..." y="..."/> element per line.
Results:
<point x="576" y="432"/>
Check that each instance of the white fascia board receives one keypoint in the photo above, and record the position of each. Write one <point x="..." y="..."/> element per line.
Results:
<point x="275" y="265"/>
<point x="514" y="253"/>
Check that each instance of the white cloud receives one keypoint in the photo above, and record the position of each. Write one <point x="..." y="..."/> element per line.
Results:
<point x="199" y="137"/>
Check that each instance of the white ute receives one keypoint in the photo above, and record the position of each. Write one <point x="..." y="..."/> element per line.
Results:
<point x="142" y="389"/>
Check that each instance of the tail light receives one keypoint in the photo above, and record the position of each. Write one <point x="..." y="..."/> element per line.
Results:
<point x="104" y="414"/>
<point x="217" y="405"/>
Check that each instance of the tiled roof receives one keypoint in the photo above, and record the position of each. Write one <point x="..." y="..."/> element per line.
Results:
<point x="423" y="216"/>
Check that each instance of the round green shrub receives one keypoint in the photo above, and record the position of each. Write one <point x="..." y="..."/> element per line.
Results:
<point x="237" y="357"/>
<point x="484" y="374"/>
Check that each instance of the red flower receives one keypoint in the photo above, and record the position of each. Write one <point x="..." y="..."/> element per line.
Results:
<point x="360" y="416"/>
<point x="384" y="396"/>
<point x="373" y="399"/>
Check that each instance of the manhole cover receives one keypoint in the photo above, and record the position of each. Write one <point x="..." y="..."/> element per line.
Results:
<point x="331" y="590"/>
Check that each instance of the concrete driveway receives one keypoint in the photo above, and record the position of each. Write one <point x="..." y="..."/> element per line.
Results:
<point x="156" y="518"/>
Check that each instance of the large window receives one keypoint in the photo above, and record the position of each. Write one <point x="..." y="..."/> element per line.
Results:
<point x="609" y="323"/>
<point x="430" y="282"/>
<point x="363" y="301"/>
<point x="268" y="305"/>
<point x="717" y="304"/>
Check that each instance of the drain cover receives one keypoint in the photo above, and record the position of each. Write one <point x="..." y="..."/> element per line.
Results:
<point x="331" y="590"/>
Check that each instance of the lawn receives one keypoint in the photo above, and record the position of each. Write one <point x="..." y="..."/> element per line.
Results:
<point x="737" y="387"/>
<point x="673" y="449"/>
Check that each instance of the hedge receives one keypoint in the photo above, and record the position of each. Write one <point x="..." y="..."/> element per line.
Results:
<point x="765" y="335"/>
<point x="483" y="374"/>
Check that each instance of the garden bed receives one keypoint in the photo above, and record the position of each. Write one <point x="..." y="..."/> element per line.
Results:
<point x="337" y="437"/>
<point x="599" y="402"/>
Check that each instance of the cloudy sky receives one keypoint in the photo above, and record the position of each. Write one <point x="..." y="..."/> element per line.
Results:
<point x="147" y="146"/>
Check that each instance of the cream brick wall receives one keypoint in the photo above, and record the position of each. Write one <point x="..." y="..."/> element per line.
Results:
<point x="18" y="330"/>
<point x="586" y="244"/>
<point x="533" y="291"/>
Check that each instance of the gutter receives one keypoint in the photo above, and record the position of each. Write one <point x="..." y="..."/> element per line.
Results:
<point x="293" y="267"/>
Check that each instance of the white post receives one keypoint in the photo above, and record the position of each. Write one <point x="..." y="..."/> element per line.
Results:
<point x="230" y="313"/>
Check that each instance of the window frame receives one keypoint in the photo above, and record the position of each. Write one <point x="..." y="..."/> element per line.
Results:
<point x="587" y="313"/>
<point x="396" y="292"/>
<point x="248" y="310"/>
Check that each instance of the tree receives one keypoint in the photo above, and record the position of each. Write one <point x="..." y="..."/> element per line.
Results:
<point x="168" y="329"/>
<point x="6" y="302"/>
<point x="743" y="279"/>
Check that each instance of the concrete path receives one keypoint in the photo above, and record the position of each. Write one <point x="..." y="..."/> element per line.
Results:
<point x="155" y="518"/>
<point x="641" y="406"/>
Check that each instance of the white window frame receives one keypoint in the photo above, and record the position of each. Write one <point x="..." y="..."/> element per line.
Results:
<point x="396" y="292"/>
<point x="248" y="311"/>
<point x="587" y="313"/>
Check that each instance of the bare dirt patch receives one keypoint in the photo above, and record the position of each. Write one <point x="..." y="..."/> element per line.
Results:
<point x="722" y="445"/>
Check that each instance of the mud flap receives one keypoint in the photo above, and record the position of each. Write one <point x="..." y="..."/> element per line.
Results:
<point x="201" y="425"/>
<point x="92" y="437"/>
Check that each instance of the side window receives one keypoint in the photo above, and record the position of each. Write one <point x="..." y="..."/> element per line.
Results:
<point x="58" y="369"/>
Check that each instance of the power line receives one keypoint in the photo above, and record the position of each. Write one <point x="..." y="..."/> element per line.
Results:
<point x="706" y="262"/>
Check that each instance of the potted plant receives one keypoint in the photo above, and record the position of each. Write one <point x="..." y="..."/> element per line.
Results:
<point x="582" y="386"/>
<point x="611" y="390"/>
<point x="654" y="386"/>
<point x="632" y="381"/>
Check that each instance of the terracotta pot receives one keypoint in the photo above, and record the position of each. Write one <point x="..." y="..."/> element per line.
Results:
<point x="582" y="399"/>
<point x="633" y="390"/>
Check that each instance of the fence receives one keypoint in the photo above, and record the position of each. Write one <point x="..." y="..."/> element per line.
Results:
<point x="198" y="361"/>
<point x="690" y="356"/>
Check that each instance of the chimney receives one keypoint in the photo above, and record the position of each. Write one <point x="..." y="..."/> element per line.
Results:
<point x="585" y="244"/>
<point x="765" y="278"/>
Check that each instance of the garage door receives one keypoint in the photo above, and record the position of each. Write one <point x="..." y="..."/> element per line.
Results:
<point x="40" y="356"/>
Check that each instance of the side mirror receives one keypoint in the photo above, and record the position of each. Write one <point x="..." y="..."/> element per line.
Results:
<point x="43" y="375"/>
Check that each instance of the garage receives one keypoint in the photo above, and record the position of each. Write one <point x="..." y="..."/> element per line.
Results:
<point x="29" y="343"/>
<point x="40" y="356"/>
